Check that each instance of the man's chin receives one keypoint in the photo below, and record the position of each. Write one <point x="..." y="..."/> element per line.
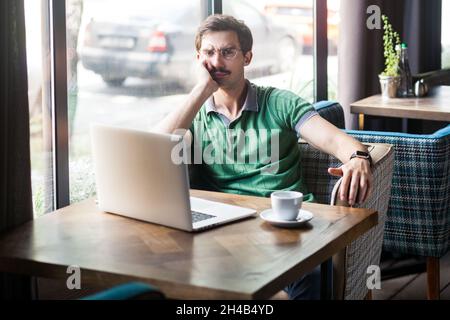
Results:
<point x="221" y="82"/>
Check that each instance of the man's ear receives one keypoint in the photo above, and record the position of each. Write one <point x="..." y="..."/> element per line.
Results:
<point x="248" y="58"/>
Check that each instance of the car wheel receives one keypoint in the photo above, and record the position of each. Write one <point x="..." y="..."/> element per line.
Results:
<point x="116" y="82"/>
<point x="287" y="54"/>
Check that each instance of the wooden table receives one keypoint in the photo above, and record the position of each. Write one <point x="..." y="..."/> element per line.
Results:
<point x="249" y="259"/>
<point x="435" y="106"/>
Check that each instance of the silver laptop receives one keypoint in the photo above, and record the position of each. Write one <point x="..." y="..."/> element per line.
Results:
<point x="136" y="177"/>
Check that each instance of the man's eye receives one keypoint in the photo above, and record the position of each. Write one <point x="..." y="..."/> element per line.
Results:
<point x="209" y="53"/>
<point x="227" y="52"/>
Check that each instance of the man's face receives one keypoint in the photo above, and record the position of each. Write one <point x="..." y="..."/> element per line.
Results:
<point x="222" y="55"/>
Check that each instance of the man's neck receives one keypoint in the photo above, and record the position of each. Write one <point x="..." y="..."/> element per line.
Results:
<point x="229" y="101"/>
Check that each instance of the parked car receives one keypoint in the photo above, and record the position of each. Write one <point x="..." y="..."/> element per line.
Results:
<point x="299" y="17"/>
<point x="158" y="42"/>
<point x="275" y="46"/>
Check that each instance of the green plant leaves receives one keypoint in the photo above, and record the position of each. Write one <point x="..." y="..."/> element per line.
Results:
<point x="390" y="39"/>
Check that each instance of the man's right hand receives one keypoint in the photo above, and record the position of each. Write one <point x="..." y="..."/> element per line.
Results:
<point x="182" y="117"/>
<point x="205" y="79"/>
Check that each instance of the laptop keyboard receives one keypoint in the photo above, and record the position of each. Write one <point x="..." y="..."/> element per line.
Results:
<point x="198" y="216"/>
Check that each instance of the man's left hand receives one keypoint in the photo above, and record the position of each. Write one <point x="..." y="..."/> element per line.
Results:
<point x="357" y="180"/>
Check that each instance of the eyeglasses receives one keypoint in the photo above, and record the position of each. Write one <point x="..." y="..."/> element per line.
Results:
<point x="226" y="53"/>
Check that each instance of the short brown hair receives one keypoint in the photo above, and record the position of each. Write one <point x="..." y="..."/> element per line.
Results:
<point x="222" y="22"/>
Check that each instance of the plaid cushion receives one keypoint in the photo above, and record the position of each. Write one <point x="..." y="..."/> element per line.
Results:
<point x="418" y="218"/>
<point x="366" y="250"/>
<point x="315" y="166"/>
<point x="332" y="112"/>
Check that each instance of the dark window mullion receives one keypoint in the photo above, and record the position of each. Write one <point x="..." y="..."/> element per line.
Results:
<point x="210" y="7"/>
<point x="320" y="50"/>
<point x="216" y="6"/>
<point x="59" y="103"/>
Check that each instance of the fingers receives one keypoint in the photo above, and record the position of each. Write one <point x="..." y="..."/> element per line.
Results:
<point x="354" y="185"/>
<point x="345" y="184"/>
<point x="365" y="187"/>
<point x="362" y="191"/>
<point x="335" y="172"/>
<point x="203" y="66"/>
<point x="204" y="76"/>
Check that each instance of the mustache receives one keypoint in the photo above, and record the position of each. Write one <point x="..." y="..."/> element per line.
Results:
<point x="223" y="70"/>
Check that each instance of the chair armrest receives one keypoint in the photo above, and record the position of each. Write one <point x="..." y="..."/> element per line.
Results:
<point x="378" y="152"/>
<point x="350" y="266"/>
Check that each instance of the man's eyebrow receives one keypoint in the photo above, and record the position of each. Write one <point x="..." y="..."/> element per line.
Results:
<point x="222" y="48"/>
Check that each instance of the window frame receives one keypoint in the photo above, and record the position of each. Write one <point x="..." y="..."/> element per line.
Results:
<point x="59" y="82"/>
<point x="320" y="52"/>
<point x="59" y="103"/>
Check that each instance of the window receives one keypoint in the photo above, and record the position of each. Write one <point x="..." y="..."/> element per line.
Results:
<point x="333" y="46"/>
<point x="39" y="92"/>
<point x="129" y="63"/>
<point x="282" y="43"/>
<point x="129" y="66"/>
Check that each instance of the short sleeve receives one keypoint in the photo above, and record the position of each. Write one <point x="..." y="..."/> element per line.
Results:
<point x="196" y="123"/>
<point x="290" y="109"/>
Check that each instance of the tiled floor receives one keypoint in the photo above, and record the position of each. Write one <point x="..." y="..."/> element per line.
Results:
<point x="413" y="286"/>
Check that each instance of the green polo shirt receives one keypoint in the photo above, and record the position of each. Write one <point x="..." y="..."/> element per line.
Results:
<point x="256" y="153"/>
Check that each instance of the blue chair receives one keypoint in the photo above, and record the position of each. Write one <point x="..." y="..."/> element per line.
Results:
<point x="128" y="291"/>
<point x="332" y="112"/>
<point x="418" y="216"/>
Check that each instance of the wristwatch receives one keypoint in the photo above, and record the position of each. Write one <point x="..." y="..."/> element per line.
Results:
<point x="362" y="155"/>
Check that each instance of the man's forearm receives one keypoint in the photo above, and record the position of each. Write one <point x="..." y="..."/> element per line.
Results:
<point x="346" y="146"/>
<point x="356" y="174"/>
<point x="340" y="144"/>
<point x="182" y="117"/>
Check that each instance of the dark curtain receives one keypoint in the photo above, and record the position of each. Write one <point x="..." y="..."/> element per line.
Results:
<point x="422" y="25"/>
<point x="361" y="49"/>
<point x="423" y="20"/>
<point x="15" y="175"/>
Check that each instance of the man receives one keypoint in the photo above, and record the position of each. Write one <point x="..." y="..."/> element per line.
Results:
<point x="223" y="102"/>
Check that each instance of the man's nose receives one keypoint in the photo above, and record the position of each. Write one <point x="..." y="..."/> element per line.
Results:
<point x="217" y="59"/>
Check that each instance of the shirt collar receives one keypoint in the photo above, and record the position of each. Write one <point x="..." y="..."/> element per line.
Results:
<point x="250" y="103"/>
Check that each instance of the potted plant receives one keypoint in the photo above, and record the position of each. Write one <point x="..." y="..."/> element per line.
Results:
<point x="390" y="78"/>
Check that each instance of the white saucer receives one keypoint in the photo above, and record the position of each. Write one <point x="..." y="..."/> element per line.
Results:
<point x="303" y="217"/>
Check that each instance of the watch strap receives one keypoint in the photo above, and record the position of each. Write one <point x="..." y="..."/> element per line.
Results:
<point x="362" y="155"/>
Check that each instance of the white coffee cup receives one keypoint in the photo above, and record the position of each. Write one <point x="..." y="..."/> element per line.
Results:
<point x="286" y="204"/>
